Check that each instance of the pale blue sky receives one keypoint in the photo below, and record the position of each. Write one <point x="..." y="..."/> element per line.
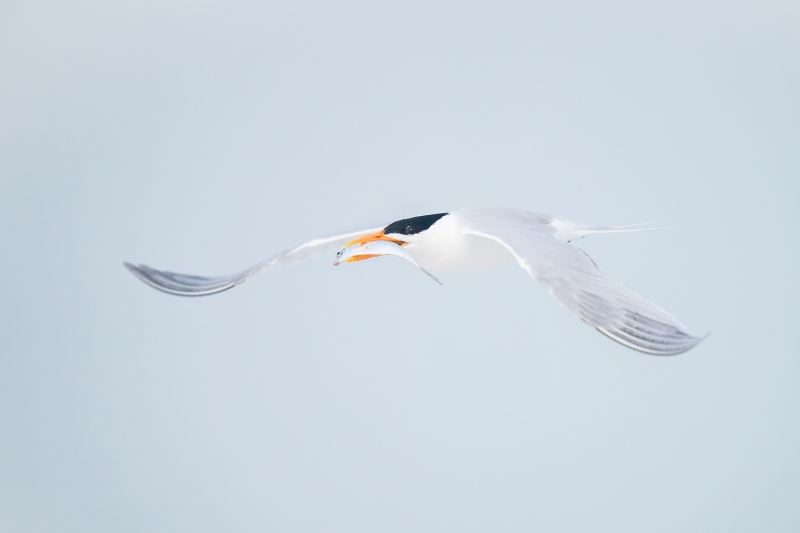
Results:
<point x="365" y="398"/>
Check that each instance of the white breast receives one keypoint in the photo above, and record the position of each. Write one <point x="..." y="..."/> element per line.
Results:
<point x="445" y="247"/>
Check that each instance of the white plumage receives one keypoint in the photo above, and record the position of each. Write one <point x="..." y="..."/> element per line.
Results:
<point x="478" y="238"/>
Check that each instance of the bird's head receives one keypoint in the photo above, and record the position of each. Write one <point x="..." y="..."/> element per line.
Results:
<point x="388" y="241"/>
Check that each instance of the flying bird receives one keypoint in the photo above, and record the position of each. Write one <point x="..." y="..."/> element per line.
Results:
<point x="479" y="238"/>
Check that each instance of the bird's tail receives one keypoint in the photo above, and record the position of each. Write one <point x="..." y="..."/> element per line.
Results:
<point x="570" y="231"/>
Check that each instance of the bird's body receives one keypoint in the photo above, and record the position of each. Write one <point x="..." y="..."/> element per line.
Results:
<point x="449" y="247"/>
<point x="480" y="238"/>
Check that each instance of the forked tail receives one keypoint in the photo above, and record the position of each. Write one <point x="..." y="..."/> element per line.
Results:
<point x="570" y="231"/>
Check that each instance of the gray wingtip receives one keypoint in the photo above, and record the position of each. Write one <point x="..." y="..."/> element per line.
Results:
<point x="179" y="284"/>
<point x="130" y="267"/>
<point x="676" y="347"/>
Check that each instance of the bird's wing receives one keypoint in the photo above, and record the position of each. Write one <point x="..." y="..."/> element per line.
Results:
<point x="187" y="285"/>
<point x="576" y="281"/>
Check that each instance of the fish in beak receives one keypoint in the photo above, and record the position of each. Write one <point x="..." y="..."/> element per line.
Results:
<point x="375" y="245"/>
<point x="369" y="246"/>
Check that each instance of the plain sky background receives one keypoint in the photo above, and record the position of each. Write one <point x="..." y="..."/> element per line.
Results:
<point x="202" y="137"/>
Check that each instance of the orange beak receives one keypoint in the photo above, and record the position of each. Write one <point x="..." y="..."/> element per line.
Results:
<point x="377" y="236"/>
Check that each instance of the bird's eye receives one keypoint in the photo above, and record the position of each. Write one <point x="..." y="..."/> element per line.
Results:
<point x="409" y="230"/>
<point x="339" y="253"/>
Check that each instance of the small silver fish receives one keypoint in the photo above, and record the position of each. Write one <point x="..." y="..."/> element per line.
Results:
<point x="367" y="250"/>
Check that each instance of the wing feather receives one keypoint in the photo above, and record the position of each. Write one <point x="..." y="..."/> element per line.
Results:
<point x="578" y="284"/>
<point x="189" y="285"/>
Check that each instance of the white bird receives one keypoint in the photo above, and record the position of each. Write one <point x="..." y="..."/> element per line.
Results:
<point x="479" y="238"/>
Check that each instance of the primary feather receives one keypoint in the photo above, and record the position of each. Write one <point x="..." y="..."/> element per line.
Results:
<point x="187" y="285"/>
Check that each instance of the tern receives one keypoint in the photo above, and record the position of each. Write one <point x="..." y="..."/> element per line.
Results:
<point x="480" y="238"/>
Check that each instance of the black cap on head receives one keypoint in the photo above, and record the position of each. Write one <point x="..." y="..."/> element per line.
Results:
<point x="410" y="226"/>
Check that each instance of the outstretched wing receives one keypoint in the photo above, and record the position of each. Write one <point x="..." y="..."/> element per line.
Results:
<point x="187" y="285"/>
<point x="575" y="281"/>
